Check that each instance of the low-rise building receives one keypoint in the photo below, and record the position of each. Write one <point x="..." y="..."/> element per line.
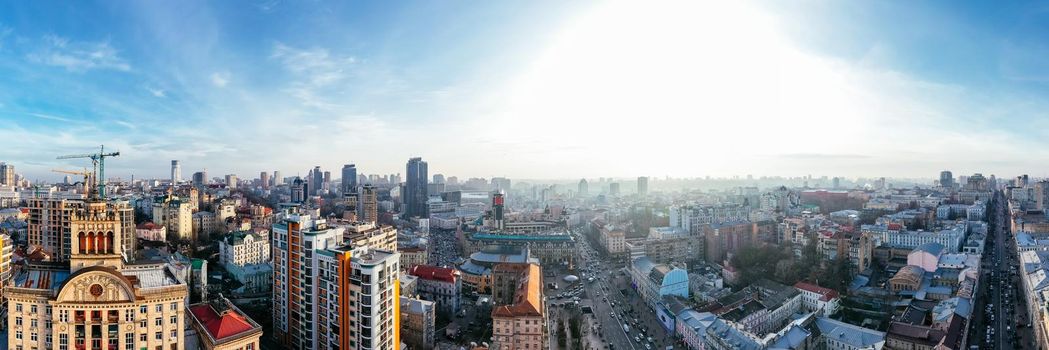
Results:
<point x="612" y="239"/>
<point x="521" y="323"/>
<point x="823" y="301"/>
<point x="411" y="256"/>
<point x="220" y="325"/>
<point x="245" y="248"/>
<point x="654" y="281"/>
<point x="441" y="285"/>
<point x="839" y="335"/>
<point x="909" y="278"/>
<point x="151" y="232"/>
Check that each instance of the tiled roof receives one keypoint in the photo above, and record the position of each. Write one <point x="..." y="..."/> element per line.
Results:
<point x="528" y="300"/>
<point x="222" y="324"/>
<point x="826" y="293"/>
<point x="434" y="273"/>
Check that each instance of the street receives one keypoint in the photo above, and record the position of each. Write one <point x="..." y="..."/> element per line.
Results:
<point x="612" y="309"/>
<point x="1000" y="318"/>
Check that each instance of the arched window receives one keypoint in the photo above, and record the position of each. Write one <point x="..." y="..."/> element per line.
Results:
<point x="90" y="243"/>
<point x="109" y="243"/>
<point x="82" y="242"/>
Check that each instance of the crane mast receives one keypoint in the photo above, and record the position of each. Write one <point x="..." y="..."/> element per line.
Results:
<point x="98" y="163"/>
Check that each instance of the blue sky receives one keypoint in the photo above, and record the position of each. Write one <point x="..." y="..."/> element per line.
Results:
<point x="528" y="89"/>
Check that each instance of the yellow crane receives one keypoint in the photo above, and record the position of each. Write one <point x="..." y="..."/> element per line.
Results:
<point x="86" y="174"/>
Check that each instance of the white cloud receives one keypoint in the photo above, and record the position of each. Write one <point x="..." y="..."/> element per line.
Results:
<point x="78" y="56"/>
<point x="220" y="79"/>
<point x="156" y="92"/>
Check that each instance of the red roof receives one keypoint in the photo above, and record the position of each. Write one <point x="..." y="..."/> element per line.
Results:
<point x="895" y="226"/>
<point x="434" y="273"/>
<point x="826" y="293"/>
<point x="147" y="226"/>
<point x="229" y="323"/>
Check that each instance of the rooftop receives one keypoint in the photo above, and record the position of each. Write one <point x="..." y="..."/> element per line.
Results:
<point x="223" y="321"/>
<point x="826" y="293"/>
<point x="434" y="273"/>
<point x="528" y="299"/>
<point x="855" y="336"/>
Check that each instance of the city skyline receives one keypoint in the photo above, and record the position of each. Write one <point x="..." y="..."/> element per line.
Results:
<point x="588" y="89"/>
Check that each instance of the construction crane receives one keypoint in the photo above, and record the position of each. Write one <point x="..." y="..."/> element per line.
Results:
<point x="86" y="174"/>
<point x="98" y="162"/>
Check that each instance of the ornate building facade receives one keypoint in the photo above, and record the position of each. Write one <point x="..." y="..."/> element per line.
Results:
<point x="97" y="301"/>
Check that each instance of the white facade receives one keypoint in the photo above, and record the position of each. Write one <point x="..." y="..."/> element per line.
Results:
<point x="243" y="248"/>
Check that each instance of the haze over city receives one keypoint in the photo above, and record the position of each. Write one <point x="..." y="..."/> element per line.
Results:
<point x="528" y="89"/>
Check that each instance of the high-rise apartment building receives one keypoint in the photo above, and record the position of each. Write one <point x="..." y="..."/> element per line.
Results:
<point x="642" y="186"/>
<point x="176" y="172"/>
<point x="438" y="178"/>
<point x="349" y="179"/>
<point x="175" y="214"/>
<point x="363" y="233"/>
<point x="297" y="239"/>
<point x="369" y="203"/>
<point x="231" y="181"/>
<point x="7" y="174"/>
<point x="415" y="189"/>
<point x="331" y="295"/>
<point x="96" y="302"/>
<point x="200" y="178"/>
<point x="48" y="225"/>
<point x="946" y="179"/>
<point x="359" y="300"/>
<point x="264" y="180"/>
<point x="584" y="189"/>
<point x="277" y="180"/>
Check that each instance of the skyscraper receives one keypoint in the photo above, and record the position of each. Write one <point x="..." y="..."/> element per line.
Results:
<point x="231" y="181"/>
<point x="199" y="179"/>
<point x="264" y="179"/>
<point x="277" y="180"/>
<point x="497" y="211"/>
<point x="438" y="178"/>
<point x="298" y="191"/>
<point x="946" y="179"/>
<point x="613" y="189"/>
<point x="176" y="172"/>
<point x="370" y="203"/>
<point x="316" y="180"/>
<point x="642" y="186"/>
<point x="584" y="189"/>
<point x="415" y="194"/>
<point x="7" y="174"/>
<point x="349" y="179"/>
